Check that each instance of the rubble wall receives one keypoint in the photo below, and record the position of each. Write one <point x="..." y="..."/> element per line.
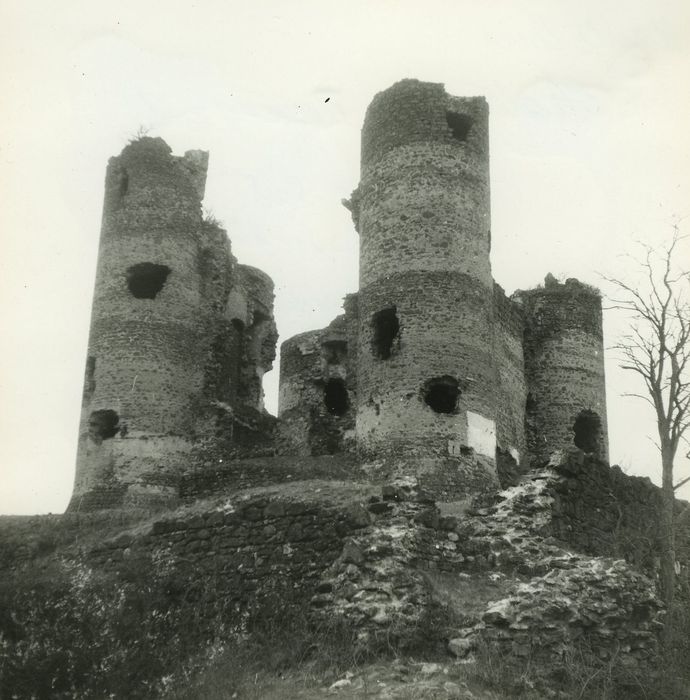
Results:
<point x="599" y="510"/>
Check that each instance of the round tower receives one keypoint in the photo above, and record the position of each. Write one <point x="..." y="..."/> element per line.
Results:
<point x="564" y="369"/>
<point x="426" y="378"/>
<point x="145" y="364"/>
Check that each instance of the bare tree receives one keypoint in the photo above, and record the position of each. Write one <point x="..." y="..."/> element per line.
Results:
<point x="657" y="349"/>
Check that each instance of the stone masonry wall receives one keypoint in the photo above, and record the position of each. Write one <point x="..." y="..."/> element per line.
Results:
<point x="425" y="318"/>
<point x="435" y="340"/>
<point x="396" y="565"/>
<point x="317" y="392"/>
<point x="248" y="545"/>
<point x="147" y="319"/>
<point x="564" y="368"/>
<point x="511" y="388"/>
<point x="599" y="510"/>
<point x="180" y="334"/>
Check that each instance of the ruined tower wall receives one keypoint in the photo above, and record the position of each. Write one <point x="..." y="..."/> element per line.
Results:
<point x="425" y="298"/>
<point x="301" y="392"/>
<point x="259" y="333"/>
<point x="564" y="368"/>
<point x="163" y="349"/>
<point x="317" y="392"/>
<point x="142" y="367"/>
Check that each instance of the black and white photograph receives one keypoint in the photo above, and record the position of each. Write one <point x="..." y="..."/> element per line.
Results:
<point x="346" y="350"/>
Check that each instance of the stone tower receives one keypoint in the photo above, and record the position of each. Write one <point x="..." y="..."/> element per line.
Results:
<point x="425" y="373"/>
<point x="564" y="369"/>
<point x="180" y="334"/>
<point x="433" y="371"/>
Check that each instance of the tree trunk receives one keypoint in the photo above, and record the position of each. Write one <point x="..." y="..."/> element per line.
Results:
<point x="667" y="535"/>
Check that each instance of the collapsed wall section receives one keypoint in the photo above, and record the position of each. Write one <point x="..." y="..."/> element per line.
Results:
<point x="601" y="511"/>
<point x="564" y="368"/>
<point x="260" y="335"/>
<point x="317" y="392"/>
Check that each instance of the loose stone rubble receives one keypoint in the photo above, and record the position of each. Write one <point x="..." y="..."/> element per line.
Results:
<point x="552" y="597"/>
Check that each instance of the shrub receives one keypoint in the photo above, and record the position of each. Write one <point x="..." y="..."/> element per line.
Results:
<point x="69" y="632"/>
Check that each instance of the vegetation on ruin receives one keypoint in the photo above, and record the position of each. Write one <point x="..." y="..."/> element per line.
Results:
<point x="68" y="632"/>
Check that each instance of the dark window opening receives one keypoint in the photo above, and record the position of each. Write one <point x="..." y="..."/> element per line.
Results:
<point x="334" y="351"/>
<point x="145" y="280"/>
<point x="441" y="394"/>
<point x="460" y="125"/>
<point x="530" y="404"/>
<point x="386" y="327"/>
<point x="103" y="424"/>
<point x="335" y="397"/>
<point x="90" y="379"/>
<point x="587" y="429"/>
<point x="123" y="183"/>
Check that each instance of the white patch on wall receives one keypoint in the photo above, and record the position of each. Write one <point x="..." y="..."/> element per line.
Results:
<point x="481" y="434"/>
<point x="515" y="455"/>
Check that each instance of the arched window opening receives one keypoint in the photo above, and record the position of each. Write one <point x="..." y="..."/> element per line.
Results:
<point x="335" y="397"/>
<point x="145" y="280"/>
<point x="460" y="125"/>
<point x="103" y="424"/>
<point x="587" y="429"/>
<point x="386" y="328"/>
<point x="441" y="394"/>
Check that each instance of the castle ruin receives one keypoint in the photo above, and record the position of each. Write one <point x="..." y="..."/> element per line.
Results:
<point x="436" y="478"/>
<point x="431" y="372"/>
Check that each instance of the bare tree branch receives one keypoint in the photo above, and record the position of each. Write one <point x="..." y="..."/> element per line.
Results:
<point x="657" y="349"/>
<point x="682" y="482"/>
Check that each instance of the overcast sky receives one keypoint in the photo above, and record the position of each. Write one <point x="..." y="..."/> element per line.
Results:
<point x="590" y="145"/>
